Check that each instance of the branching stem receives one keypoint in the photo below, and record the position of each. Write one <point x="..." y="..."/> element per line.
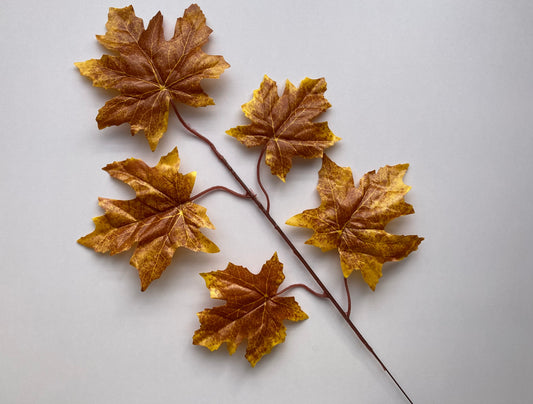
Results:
<point x="285" y="238"/>
<point x="218" y="188"/>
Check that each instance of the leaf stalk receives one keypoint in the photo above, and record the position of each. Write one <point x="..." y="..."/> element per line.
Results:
<point x="348" y="297"/>
<point x="301" y="285"/>
<point x="218" y="188"/>
<point x="259" y="178"/>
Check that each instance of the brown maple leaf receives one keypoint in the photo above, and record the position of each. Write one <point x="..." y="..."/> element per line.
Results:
<point x="253" y="310"/>
<point x="158" y="221"/>
<point x="353" y="219"/>
<point x="283" y="125"/>
<point x="149" y="71"/>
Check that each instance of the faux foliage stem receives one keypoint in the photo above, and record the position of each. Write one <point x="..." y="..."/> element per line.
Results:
<point x="284" y="236"/>
<point x="348" y="297"/>
<point x="218" y="188"/>
<point x="259" y="178"/>
<point x="301" y="285"/>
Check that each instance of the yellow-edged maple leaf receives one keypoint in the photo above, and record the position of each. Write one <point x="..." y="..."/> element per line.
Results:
<point x="253" y="310"/>
<point x="150" y="71"/>
<point x="158" y="221"/>
<point x="283" y="125"/>
<point x="353" y="219"/>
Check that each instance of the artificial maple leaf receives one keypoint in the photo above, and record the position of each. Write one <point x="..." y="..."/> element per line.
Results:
<point x="283" y="125"/>
<point x="253" y="310"/>
<point x="158" y="221"/>
<point x="149" y="71"/>
<point x="353" y="219"/>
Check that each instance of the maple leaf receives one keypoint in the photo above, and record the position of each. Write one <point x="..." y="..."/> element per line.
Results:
<point x="253" y="310"/>
<point x="158" y="221"/>
<point x="283" y="125"/>
<point x="353" y="219"/>
<point x="149" y="71"/>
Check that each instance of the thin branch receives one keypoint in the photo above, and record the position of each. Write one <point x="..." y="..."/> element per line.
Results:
<point x="285" y="238"/>
<point x="218" y="188"/>
<point x="349" y="298"/>
<point x="301" y="285"/>
<point x="259" y="178"/>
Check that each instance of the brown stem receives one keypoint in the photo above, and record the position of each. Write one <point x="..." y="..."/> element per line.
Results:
<point x="259" y="178"/>
<point x="349" y="298"/>
<point x="301" y="285"/>
<point x="218" y="188"/>
<point x="285" y="238"/>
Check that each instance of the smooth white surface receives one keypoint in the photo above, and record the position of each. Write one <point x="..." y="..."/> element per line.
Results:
<point x="446" y="86"/>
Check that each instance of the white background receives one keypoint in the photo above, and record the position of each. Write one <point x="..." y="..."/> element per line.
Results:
<point x="444" y="85"/>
